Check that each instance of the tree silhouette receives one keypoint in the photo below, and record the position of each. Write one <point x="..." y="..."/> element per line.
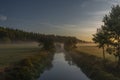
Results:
<point x="102" y="38"/>
<point x="111" y="30"/>
<point x="48" y="43"/>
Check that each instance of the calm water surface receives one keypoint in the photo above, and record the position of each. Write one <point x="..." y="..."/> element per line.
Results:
<point x="63" y="70"/>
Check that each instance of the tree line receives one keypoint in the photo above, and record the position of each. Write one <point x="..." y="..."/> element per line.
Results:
<point x="9" y="35"/>
<point x="20" y="35"/>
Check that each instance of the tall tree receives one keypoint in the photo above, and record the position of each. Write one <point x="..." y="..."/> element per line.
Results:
<point x="112" y="29"/>
<point x="101" y="37"/>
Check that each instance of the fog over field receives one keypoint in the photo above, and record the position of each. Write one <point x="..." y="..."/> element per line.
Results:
<point x="19" y="44"/>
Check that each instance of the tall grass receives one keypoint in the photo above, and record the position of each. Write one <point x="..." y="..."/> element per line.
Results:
<point x="10" y="53"/>
<point x="28" y="68"/>
<point x="23" y="61"/>
<point x="94" y="50"/>
<point x="93" y="66"/>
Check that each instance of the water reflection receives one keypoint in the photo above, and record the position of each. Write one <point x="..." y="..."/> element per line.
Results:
<point x="63" y="69"/>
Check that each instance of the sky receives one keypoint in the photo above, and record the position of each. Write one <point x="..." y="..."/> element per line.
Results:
<point x="79" y="18"/>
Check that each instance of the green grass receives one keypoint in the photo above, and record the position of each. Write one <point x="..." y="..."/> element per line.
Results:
<point x="16" y="52"/>
<point x="93" y="66"/>
<point x="28" y="68"/>
<point x="93" y="50"/>
<point x="90" y="59"/>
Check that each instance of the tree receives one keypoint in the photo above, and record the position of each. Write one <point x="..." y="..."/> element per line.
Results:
<point x="70" y="42"/>
<point x="48" y="43"/>
<point x="112" y="30"/>
<point x="101" y="37"/>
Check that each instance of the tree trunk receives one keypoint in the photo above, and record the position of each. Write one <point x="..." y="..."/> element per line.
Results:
<point x="118" y="52"/>
<point x="103" y="53"/>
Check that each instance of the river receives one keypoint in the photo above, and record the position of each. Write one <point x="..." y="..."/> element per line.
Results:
<point x="63" y="69"/>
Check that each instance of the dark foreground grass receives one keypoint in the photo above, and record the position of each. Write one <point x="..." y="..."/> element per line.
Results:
<point x="16" y="52"/>
<point x="28" y="68"/>
<point x="93" y="66"/>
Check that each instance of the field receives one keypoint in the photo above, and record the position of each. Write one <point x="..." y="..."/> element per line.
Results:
<point x="10" y="53"/>
<point x="93" y="50"/>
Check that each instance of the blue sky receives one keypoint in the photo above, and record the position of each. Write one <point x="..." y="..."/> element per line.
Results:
<point x="78" y="18"/>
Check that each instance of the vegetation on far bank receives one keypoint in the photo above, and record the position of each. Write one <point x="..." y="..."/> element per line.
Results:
<point x="10" y="54"/>
<point x="28" y="68"/>
<point x="93" y="66"/>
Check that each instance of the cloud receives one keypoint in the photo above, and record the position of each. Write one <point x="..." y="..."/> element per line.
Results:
<point x="3" y="18"/>
<point x="98" y="13"/>
<point x="84" y="4"/>
<point x="111" y="2"/>
<point x="114" y="2"/>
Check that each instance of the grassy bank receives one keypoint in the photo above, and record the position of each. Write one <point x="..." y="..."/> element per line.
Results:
<point x="11" y="53"/>
<point x="28" y="68"/>
<point x="23" y="62"/>
<point x="93" y="66"/>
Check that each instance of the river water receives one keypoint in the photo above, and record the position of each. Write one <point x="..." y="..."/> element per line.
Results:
<point x="63" y="69"/>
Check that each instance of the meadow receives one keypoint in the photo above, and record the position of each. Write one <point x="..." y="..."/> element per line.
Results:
<point x="90" y="59"/>
<point x="11" y="53"/>
<point x="24" y="61"/>
<point x="92" y="49"/>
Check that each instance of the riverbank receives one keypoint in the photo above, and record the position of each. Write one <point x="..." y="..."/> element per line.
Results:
<point x="93" y="66"/>
<point x="28" y="68"/>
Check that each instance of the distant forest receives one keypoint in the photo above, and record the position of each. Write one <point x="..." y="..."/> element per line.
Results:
<point x="9" y="35"/>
